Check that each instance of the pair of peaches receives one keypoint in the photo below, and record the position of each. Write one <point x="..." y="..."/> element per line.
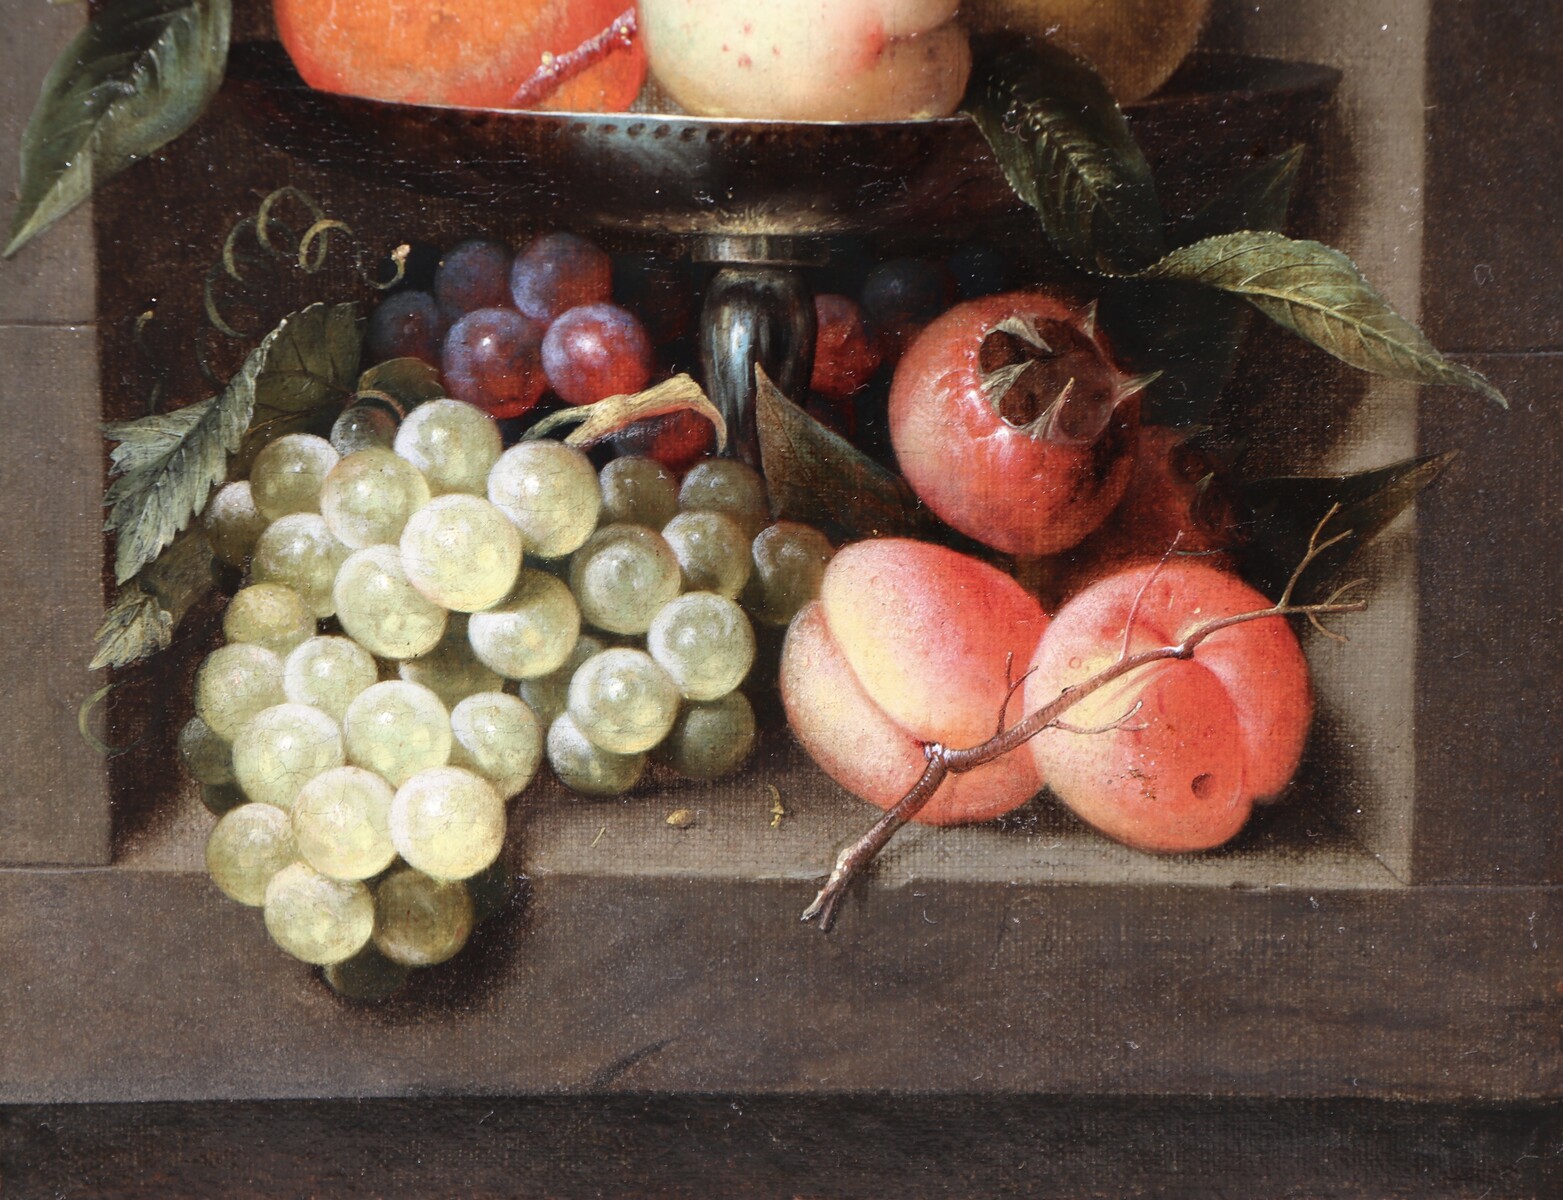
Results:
<point x="823" y="60"/>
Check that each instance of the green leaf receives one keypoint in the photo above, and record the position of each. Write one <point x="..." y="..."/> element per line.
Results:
<point x="139" y="75"/>
<point x="310" y="360"/>
<point x="1319" y="294"/>
<point x="819" y="477"/>
<point x="404" y="382"/>
<point x="146" y="612"/>
<point x="1259" y="199"/>
<point x="168" y="463"/>
<point x="1065" y="148"/>
<point x="1285" y="512"/>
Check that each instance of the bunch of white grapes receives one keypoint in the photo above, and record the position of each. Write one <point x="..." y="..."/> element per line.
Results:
<point x="427" y="616"/>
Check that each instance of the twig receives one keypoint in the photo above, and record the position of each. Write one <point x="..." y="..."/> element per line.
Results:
<point x="944" y="761"/>
<point x="558" y="69"/>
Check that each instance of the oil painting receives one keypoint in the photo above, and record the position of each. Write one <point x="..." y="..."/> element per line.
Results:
<point x="690" y="598"/>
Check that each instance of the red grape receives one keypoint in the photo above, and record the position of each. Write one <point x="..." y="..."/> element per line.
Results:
<point x="557" y="272"/>
<point x="492" y="360"/>
<point x="594" y="351"/>
<point x="405" y="325"/>
<point x="475" y="274"/>
<point x="676" y="440"/>
<point x="846" y="355"/>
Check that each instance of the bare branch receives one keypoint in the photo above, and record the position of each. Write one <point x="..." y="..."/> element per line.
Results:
<point x="1121" y="723"/>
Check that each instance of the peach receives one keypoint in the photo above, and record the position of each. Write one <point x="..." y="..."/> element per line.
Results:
<point x="907" y="645"/>
<point x="1213" y="735"/>
<point x="475" y="53"/>
<point x="808" y="60"/>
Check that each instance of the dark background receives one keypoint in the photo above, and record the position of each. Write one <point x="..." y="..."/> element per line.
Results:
<point x="1493" y="298"/>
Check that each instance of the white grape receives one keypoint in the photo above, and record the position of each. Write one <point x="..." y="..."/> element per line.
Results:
<point x="500" y="738"/>
<point x="710" y="739"/>
<point x="586" y="768"/>
<point x="397" y="729"/>
<point x="548" y="694"/>
<point x="638" y="491"/>
<point x="623" y="701"/>
<point x="281" y="749"/>
<point x="235" y="684"/>
<point x="208" y="757"/>
<point x="220" y="799"/>
<point x="704" y="642"/>
<point x="531" y="632"/>
<point x="342" y="820"/>
<point x="448" y="822"/>
<point x="550" y="491"/>
<point x="315" y="918"/>
<point x="287" y="474"/>
<point x="271" y="615"/>
<point x="454" y="444"/>
<point x="712" y="551"/>
<point x="451" y="670"/>
<point x="363" y="427"/>
<point x="623" y="576"/>
<point x="246" y="848"/>
<point x="368" y="975"/>
<point x="233" y="524"/>
<point x="789" y="564"/>
<point x="381" y="610"/>
<point x="328" y="672"/>
<point x="300" y="551"/>
<point x="419" y="920"/>
<point x="368" y="497"/>
<point x="726" y="485"/>
<point x="461" y="552"/>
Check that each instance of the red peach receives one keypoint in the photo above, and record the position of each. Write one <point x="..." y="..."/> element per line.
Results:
<point x="1214" y="734"/>
<point x="908" y="645"/>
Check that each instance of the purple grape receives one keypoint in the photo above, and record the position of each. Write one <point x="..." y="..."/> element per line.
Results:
<point x="904" y="290"/>
<point x="660" y="292"/>
<point x="475" y="274"/>
<point x="406" y="325"/>
<point x="594" y="351"/>
<point x="558" y="272"/>
<point x="491" y="359"/>
<point x="980" y="271"/>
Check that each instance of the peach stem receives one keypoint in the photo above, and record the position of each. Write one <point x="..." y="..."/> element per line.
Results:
<point x="557" y="70"/>
<point x="943" y="761"/>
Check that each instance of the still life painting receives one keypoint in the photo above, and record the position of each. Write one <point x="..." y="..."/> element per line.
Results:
<point x="852" y="548"/>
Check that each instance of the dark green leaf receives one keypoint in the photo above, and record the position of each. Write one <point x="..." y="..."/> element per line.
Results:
<point x="1283" y="514"/>
<point x="1066" y="149"/>
<point x="310" y="360"/>
<point x="821" y="478"/>
<point x="135" y="78"/>
<point x="1191" y="335"/>
<point x="1258" y="200"/>
<point x="1319" y="294"/>
<point x="405" y="382"/>
<point x="168" y="463"/>
<point x="146" y="612"/>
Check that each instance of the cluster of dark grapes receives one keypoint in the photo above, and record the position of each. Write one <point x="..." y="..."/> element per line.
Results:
<point x="512" y="332"/>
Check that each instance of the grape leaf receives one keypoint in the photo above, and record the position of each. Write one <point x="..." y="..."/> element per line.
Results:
<point x="139" y="75"/>
<point x="404" y="382"/>
<point x="594" y="422"/>
<point x="819" y="477"/>
<point x="1319" y="294"/>
<point x="1258" y="200"/>
<point x="146" y="612"/>
<point x="168" y="463"/>
<point x="1283" y="514"/>
<point x="1063" y="144"/>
